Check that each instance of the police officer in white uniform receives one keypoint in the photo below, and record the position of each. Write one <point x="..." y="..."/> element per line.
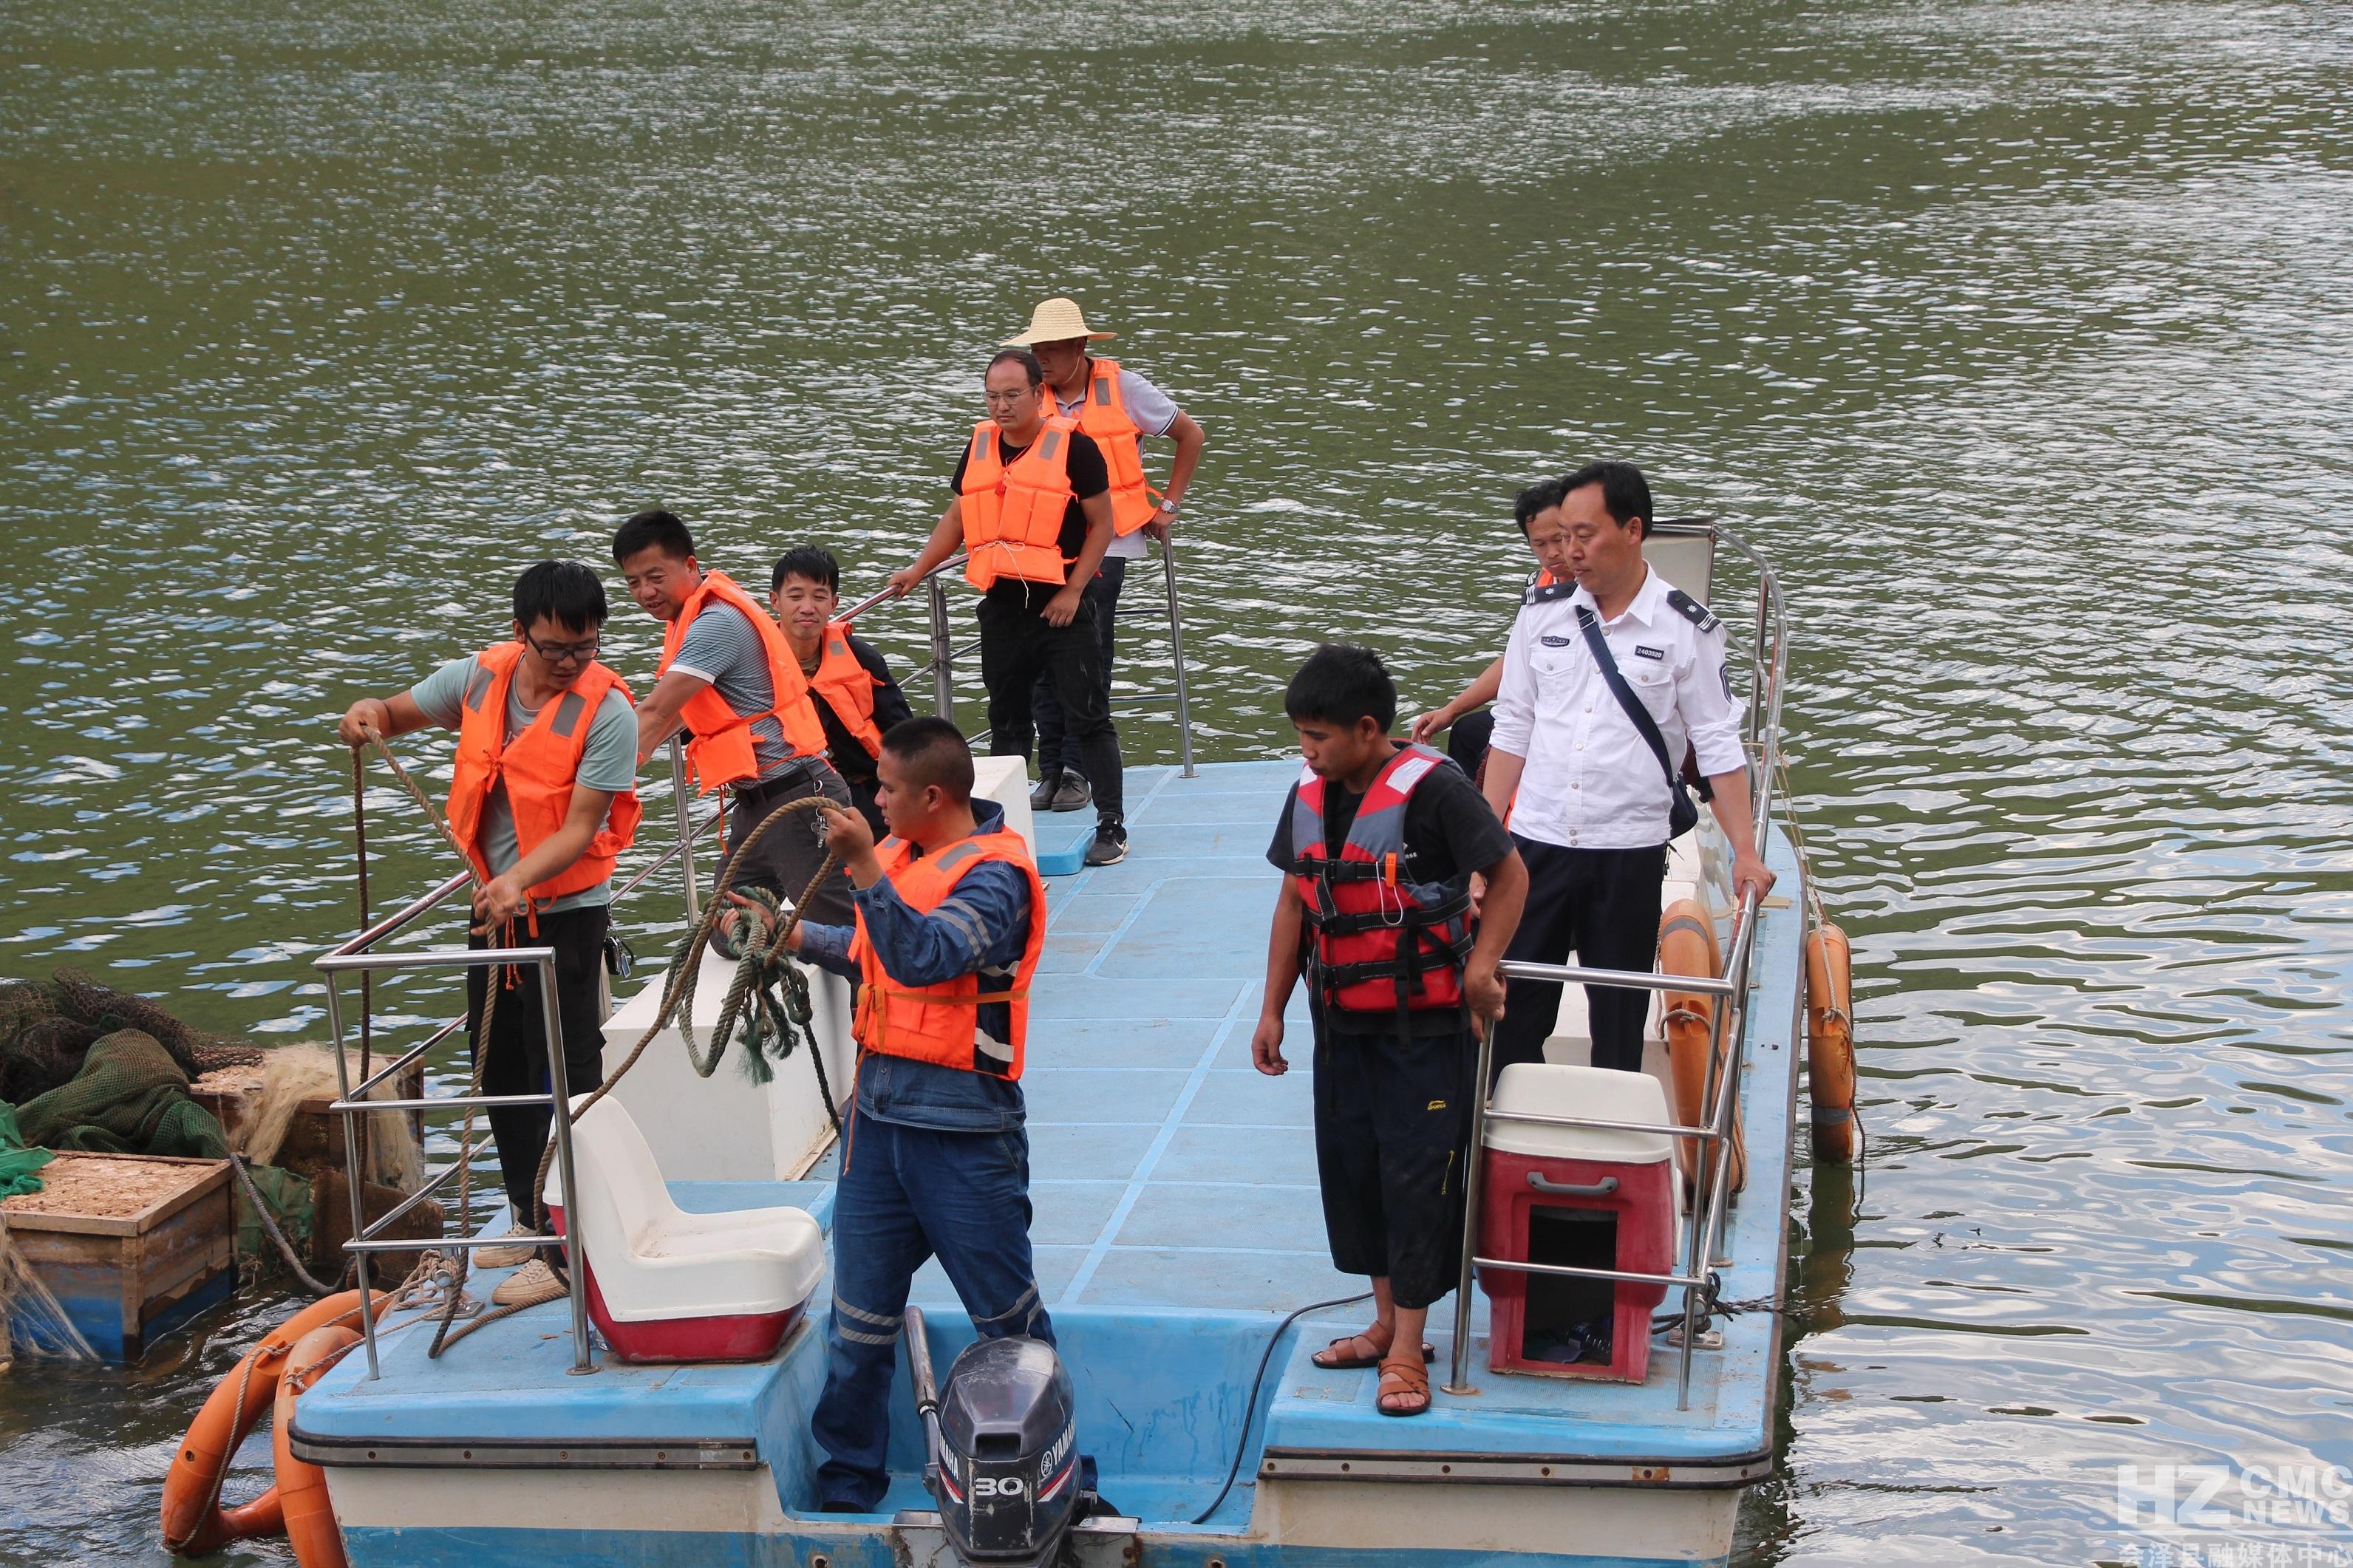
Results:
<point x="1591" y="813"/>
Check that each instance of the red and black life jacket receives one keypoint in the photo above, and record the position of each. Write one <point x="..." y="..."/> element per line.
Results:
<point x="1378" y="942"/>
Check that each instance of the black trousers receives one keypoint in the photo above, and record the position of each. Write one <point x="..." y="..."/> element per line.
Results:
<point x="518" y="1042"/>
<point x="1017" y="647"/>
<point x="1392" y="1132"/>
<point x="1602" y="905"/>
<point x="1466" y="742"/>
<point x="785" y="860"/>
<point x="1045" y="708"/>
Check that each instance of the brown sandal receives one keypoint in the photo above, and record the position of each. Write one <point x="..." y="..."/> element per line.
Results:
<point x="1373" y="1336"/>
<point x="1402" y="1376"/>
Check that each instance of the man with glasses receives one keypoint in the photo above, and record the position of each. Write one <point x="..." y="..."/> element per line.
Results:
<point x="1032" y="513"/>
<point x="542" y="798"/>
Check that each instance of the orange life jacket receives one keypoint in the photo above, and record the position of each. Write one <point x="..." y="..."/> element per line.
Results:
<point x="847" y="688"/>
<point x="1103" y="417"/>
<point x="1013" y="515"/>
<point x="941" y="1022"/>
<point x="720" y="749"/>
<point x="539" y="768"/>
<point x="1380" y="942"/>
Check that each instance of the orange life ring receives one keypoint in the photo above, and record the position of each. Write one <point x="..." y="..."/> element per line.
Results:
<point x="302" y="1486"/>
<point x="1687" y="946"/>
<point x="1829" y="1042"/>
<point x="194" y="1520"/>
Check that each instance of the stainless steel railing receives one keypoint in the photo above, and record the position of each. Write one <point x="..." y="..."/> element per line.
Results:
<point x="1768" y="666"/>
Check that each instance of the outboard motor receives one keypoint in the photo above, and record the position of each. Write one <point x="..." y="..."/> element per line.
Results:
<point x="1002" y="1438"/>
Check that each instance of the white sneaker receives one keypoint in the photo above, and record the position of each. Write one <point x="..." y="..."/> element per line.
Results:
<point x="513" y="1255"/>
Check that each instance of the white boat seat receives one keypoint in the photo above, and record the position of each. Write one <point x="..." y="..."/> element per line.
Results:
<point x="652" y="1260"/>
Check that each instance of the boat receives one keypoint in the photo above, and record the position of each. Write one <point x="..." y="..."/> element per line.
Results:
<point x="1180" y="1247"/>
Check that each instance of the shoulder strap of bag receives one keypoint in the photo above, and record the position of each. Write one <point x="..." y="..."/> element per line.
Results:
<point x="1644" y="724"/>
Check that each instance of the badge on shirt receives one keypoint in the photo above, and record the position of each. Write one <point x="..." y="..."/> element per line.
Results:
<point x="1644" y="650"/>
<point x="1555" y="642"/>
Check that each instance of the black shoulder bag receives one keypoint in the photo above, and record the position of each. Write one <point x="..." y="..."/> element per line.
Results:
<point x="1683" y="812"/>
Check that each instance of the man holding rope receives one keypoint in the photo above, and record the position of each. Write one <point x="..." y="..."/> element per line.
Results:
<point x="542" y="799"/>
<point x="951" y="919"/>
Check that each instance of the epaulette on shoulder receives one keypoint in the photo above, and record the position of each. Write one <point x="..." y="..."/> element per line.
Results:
<point x="1692" y="610"/>
<point x="1547" y="592"/>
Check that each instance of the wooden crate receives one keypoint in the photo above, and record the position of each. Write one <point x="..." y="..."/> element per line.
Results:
<point x="132" y="1246"/>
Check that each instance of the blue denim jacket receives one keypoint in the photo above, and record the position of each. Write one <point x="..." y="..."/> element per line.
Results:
<point x="986" y="922"/>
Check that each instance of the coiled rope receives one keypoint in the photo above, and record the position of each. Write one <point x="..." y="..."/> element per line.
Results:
<point x="768" y="1002"/>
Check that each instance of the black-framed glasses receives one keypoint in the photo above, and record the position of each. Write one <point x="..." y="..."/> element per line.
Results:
<point x="564" y="652"/>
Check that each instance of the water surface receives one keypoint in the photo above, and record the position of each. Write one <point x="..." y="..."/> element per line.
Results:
<point x="2017" y="334"/>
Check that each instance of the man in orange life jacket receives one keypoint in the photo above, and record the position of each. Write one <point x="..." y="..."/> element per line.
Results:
<point x="1032" y="513"/>
<point x="856" y="700"/>
<point x="1377" y="843"/>
<point x="1467" y="720"/>
<point x="542" y="798"/>
<point x="729" y="678"/>
<point x="951" y="919"/>
<point x="1114" y="407"/>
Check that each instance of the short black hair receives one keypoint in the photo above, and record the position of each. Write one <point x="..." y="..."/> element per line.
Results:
<point x="1542" y="496"/>
<point x="652" y="529"/>
<point x="813" y="562"/>
<point x="1341" y="683"/>
<point x="1625" y="493"/>
<point x="1022" y="357"/>
<point x="930" y="751"/>
<point x="563" y="592"/>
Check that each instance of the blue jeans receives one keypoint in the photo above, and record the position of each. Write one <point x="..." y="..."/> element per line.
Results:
<point x="908" y="1193"/>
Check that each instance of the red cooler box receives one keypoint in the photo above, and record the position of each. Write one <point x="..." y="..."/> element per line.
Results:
<point x="1587" y="1197"/>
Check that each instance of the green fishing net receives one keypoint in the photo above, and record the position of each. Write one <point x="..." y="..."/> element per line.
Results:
<point x="18" y="1164"/>
<point x="130" y="1098"/>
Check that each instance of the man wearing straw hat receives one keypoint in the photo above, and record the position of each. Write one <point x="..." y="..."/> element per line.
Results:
<point x="1115" y="407"/>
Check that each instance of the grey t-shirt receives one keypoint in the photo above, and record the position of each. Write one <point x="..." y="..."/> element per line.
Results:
<point x="609" y="763"/>
<point x="722" y="647"/>
<point x="1153" y="412"/>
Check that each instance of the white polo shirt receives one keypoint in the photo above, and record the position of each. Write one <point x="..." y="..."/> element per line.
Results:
<point x="1592" y="781"/>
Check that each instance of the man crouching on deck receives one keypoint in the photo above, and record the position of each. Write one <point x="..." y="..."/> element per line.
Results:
<point x="1378" y="841"/>
<point x="542" y="797"/>
<point x="951" y="920"/>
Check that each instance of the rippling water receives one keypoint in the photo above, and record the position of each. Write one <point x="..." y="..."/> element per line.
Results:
<point x="2021" y="336"/>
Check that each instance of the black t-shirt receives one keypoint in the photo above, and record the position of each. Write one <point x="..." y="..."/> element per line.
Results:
<point x="849" y="756"/>
<point x="1449" y="832"/>
<point x="1089" y="479"/>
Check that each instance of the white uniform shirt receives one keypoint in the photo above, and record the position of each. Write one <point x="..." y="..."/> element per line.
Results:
<point x="1153" y="412"/>
<point x="1592" y="782"/>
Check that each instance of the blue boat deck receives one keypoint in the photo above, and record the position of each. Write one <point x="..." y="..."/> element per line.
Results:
<point x="1176" y="1222"/>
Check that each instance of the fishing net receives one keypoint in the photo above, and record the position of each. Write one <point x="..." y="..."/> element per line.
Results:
<point x="130" y="1098"/>
<point x="292" y="1075"/>
<point x="29" y="1314"/>
<point x="47" y="1027"/>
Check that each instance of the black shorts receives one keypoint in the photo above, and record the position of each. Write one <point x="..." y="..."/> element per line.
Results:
<point x="1392" y="1134"/>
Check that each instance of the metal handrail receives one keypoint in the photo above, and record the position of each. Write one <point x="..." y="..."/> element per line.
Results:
<point x="368" y="1237"/>
<point x="1721" y="1088"/>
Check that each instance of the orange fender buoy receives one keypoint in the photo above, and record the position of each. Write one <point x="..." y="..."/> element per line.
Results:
<point x="301" y="1485"/>
<point x="194" y="1520"/>
<point x="1687" y="946"/>
<point x="1829" y="1042"/>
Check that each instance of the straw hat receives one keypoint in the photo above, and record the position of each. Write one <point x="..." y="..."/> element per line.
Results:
<point x="1055" y="321"/>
